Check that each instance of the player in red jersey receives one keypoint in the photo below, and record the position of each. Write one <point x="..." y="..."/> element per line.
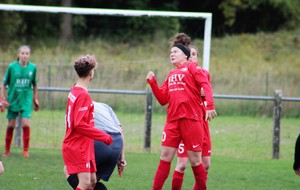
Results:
<point x="182" y="157"/>
<point x="181" y="91"/>
<point x="78" y="144"/>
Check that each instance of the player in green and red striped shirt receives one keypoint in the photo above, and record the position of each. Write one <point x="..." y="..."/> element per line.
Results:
<point x="18" y="92"/>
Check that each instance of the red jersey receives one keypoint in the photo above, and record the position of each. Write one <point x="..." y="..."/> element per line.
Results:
<point x="78" y="143"/>
<point x="207" y="75"/>
<point x="181" y="91"/>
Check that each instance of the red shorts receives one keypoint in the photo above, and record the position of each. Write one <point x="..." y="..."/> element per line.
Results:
<point x="187" y="130"/>
<point x="79" y="159"/>
<point x="206" y="145"/>
<point x="206" y="148"/>
<point x="89" y="167"/>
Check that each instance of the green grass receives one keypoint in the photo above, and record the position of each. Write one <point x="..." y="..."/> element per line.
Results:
<point x="43" y="170"/>
<point x="241" y="160"/>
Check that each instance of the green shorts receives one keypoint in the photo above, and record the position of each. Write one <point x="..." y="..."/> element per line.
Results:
<point x="13" y="115"/>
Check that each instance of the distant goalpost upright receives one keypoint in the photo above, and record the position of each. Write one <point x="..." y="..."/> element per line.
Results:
<point x="127" y="13"/>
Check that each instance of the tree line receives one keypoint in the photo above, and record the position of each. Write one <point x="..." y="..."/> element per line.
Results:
<point x="229" y="17"/>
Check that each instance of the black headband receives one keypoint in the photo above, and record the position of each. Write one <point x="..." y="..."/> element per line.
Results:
<point x="185" y="50"/>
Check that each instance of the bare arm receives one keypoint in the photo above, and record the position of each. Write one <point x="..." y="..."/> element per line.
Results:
<point x="3" y="91"/>
<point x="35" y="91"/>
<point x="122" y="162"/>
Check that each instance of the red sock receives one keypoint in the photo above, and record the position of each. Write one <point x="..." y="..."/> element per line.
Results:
<point x="161" y="175"/>
<point x="200" y="177"/>
<point x="177" y="180"/>
<point x="8" y="138"/>
<point x="26" y="137"/>
<point x="77" y="188"/>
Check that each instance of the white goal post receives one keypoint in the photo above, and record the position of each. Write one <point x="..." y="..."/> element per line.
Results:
<point x="122" y="12"/>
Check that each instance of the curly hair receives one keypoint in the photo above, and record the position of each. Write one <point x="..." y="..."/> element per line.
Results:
<point x="181" y="38"/>
<point x="84" y="64"/>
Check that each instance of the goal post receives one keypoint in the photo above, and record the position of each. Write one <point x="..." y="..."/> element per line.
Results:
<point x="126" y="13"/>
<point x="207" y="17"/>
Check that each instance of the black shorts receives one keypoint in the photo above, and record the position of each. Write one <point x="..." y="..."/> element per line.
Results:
<point x="108" y="156"/>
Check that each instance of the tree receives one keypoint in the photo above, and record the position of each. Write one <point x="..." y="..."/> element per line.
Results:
<point x="66" y="32"/>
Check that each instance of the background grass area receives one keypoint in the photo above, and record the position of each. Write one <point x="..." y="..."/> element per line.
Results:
<point x="247" y="64"/>
<point x="231" y="135"/>
<point x="242" y="155"/>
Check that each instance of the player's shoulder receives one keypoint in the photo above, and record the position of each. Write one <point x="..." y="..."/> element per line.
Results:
<point x="31" y="64"/>
<point x="80" y="92"/>
<point x="13" y="64"/>
<point x="191" y="64"/>
<point x="204" y="71"/>
<point x="101" y="105"/>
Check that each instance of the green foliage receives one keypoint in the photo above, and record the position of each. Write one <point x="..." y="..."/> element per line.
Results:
<point x="230" y="16"/>
<point x="230" y="9"/>
<point x="286" y="10"/>
<point x="11" y="25"/>
<point x="79" y="24"/>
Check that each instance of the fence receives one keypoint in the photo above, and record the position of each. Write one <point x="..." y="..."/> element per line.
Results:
<point x="277" y="98"/>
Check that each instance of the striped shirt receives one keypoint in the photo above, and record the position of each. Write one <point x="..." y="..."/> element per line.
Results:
<point x="105" y="118"/>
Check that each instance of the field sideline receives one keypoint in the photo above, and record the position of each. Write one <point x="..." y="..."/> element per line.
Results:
<point x="242" y="155"/>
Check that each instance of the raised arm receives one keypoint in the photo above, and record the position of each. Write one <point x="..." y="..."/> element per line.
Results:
<point x="161" y="93"/>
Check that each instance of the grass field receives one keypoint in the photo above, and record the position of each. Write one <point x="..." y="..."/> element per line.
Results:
<point x="242" y="155"/>
<point x="43" y="170"/>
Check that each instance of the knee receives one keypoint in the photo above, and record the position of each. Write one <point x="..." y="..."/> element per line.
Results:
<point x="66" y="172"/>
<point x="194" y="161"/>
<point x="85" y="185"/>
<point x="168" y="153"/>
<point x="181" y="168"/>
<point x="206" y="166"/>
<point x="93" y="183"/>
<point x="206" y="163"/>
<point x="181" y="164"/>
<point x="167" y="156"/>
<point x="11" y="127"/>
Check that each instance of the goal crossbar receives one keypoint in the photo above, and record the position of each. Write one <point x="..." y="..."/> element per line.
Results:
<point x="122" y="12"/>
